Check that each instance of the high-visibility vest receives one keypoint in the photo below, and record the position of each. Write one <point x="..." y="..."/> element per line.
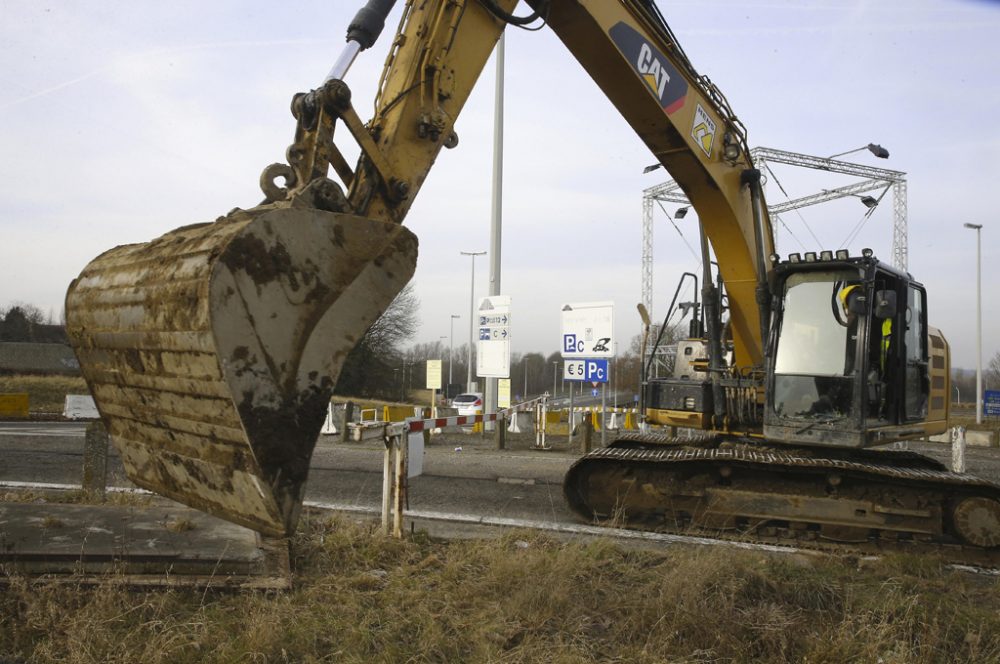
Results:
<point x="886" y="338"/>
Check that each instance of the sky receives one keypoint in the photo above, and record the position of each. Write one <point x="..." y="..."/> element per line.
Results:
<point x="120" y="121"/>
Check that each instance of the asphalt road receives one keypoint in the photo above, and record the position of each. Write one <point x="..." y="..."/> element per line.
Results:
<point x="463" y="474"/>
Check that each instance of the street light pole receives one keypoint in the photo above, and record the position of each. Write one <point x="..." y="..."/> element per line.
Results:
<point x="472" y="312"/>
<point x="524" y="370"/>
<point x="875" y="149"/>
<point x="555" y="364"/>
<point x="979" y="323"/>
<point x="451" y="345"/>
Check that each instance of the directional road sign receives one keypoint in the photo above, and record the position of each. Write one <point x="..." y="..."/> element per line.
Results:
<point x="493" y="350"/>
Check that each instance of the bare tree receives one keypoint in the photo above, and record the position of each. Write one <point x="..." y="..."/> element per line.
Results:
<point x="374" y="366"/>
<point x="991" y="375"/>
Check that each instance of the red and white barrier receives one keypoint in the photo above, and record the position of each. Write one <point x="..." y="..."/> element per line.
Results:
<point x="414" y="426"/>
<point x="404" y="448"/>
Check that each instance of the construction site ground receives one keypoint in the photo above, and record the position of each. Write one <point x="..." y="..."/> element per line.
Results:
<point x="465" y="475"/>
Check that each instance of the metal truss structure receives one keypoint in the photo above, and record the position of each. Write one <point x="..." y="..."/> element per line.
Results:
<point x="875" y="179"/>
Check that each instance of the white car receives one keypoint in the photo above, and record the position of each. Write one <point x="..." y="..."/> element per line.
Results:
<point x="469" y="403"/>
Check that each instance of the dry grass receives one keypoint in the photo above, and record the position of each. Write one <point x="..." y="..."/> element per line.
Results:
<point x="360" y="597"/>
<point x="46" y="394"/>
<point x="77" y="496"/>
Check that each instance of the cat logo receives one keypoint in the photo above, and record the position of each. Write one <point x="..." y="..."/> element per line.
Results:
<point x="655" y="69"/>
<point x="652" y="72"/>
<point x="703" y="130"/>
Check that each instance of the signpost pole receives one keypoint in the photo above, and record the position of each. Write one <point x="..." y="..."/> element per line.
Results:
<point x="571" y="413"/>
<point x="604" y="414"/>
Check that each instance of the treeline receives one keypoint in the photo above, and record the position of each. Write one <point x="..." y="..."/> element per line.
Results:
<point x="26" y="323"/>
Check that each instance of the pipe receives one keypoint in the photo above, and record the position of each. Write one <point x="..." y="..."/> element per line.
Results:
<point x="751" y="177"/>
<point x="712" y="319"/>
<point x="362" y="32"/>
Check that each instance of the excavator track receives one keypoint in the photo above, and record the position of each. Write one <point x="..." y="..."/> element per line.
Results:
<point x="865" y="501"/>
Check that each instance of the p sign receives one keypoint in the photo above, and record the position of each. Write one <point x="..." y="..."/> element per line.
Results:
<point x="586" y="371"/>
<point x="572" y="345"/>
<point x="595" y="371"/>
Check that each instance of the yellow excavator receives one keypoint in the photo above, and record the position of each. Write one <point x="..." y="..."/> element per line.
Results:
<point x="213" y="350"/>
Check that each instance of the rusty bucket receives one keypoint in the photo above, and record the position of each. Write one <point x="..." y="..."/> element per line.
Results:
<point x="212" y="351"/>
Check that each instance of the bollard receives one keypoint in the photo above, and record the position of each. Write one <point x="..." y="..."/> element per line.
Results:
<point x="545" y="418"/>
<point x="500" y="431"/>
<point x="387" y="485"/>
<point x="586" y="440"/>
<point x="539" y="425"/>
<point x="348" y="418"/>
<point x="399" y="487"/>
<point x="958" y="449"/>
<point x="95" y="459"/>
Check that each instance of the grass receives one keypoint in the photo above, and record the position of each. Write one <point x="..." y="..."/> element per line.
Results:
<point x="360" y="597"/>
<point x="46" y="394"/>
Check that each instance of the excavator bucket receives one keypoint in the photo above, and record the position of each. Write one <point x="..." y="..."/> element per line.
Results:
<point x="212" y="351"/>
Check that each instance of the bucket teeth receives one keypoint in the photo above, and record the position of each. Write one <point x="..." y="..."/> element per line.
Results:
<point x="212" y="351"/>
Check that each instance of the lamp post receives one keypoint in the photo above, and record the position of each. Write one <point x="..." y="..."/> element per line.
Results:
<point x="874" y="148"/>
<point x="868" y="201"/>
<point x="524" y="370"/>
<point x="451" y="344"/>
<point x="979" y="324"/>
<point x="472" y="312"/>
<point x="555" y="365"/>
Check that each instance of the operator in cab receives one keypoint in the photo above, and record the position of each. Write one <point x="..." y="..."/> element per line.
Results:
<point x="880" y="339"/>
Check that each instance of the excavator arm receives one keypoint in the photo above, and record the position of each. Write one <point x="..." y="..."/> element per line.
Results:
<point x="437" y="56"/>
<point x="212" y="351"/>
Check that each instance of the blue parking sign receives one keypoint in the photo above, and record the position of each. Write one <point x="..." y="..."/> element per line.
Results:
<point x="991" y="403"/>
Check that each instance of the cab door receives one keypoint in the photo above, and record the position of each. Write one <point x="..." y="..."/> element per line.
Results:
<point x="916" y="379"/>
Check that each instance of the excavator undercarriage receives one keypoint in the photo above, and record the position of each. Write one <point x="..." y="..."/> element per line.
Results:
<point x="864" y="500"/>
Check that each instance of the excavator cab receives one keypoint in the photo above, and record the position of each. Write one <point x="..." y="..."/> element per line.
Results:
<point x="849" y="361"/>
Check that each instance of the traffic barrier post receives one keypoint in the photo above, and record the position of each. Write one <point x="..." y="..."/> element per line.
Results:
<point x="348" y="418"/>
<point x="95" y="459"/>
<point x="587" y="437"/>
<point x="500" y="431"/>
<point x="958" y="449"/>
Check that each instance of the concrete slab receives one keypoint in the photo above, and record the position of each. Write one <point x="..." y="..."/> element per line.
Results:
<point x="160" y="544"/>
<point x="977" y="438"/>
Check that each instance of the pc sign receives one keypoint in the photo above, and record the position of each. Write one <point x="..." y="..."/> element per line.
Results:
<point x="588" y="330"/>
<point x="586" y="371"/>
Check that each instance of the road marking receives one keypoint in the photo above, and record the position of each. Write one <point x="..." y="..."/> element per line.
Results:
<point x="43" y="431"/>
<point x="554" y="526"/>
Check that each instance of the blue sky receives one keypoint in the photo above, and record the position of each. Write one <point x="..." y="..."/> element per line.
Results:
<point x="122" y="120"/>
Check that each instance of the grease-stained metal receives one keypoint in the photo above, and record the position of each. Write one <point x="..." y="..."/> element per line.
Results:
<point x="212" y="351"/>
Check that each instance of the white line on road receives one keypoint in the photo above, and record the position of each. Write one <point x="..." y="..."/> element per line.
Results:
<point x="43" y="431"/>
